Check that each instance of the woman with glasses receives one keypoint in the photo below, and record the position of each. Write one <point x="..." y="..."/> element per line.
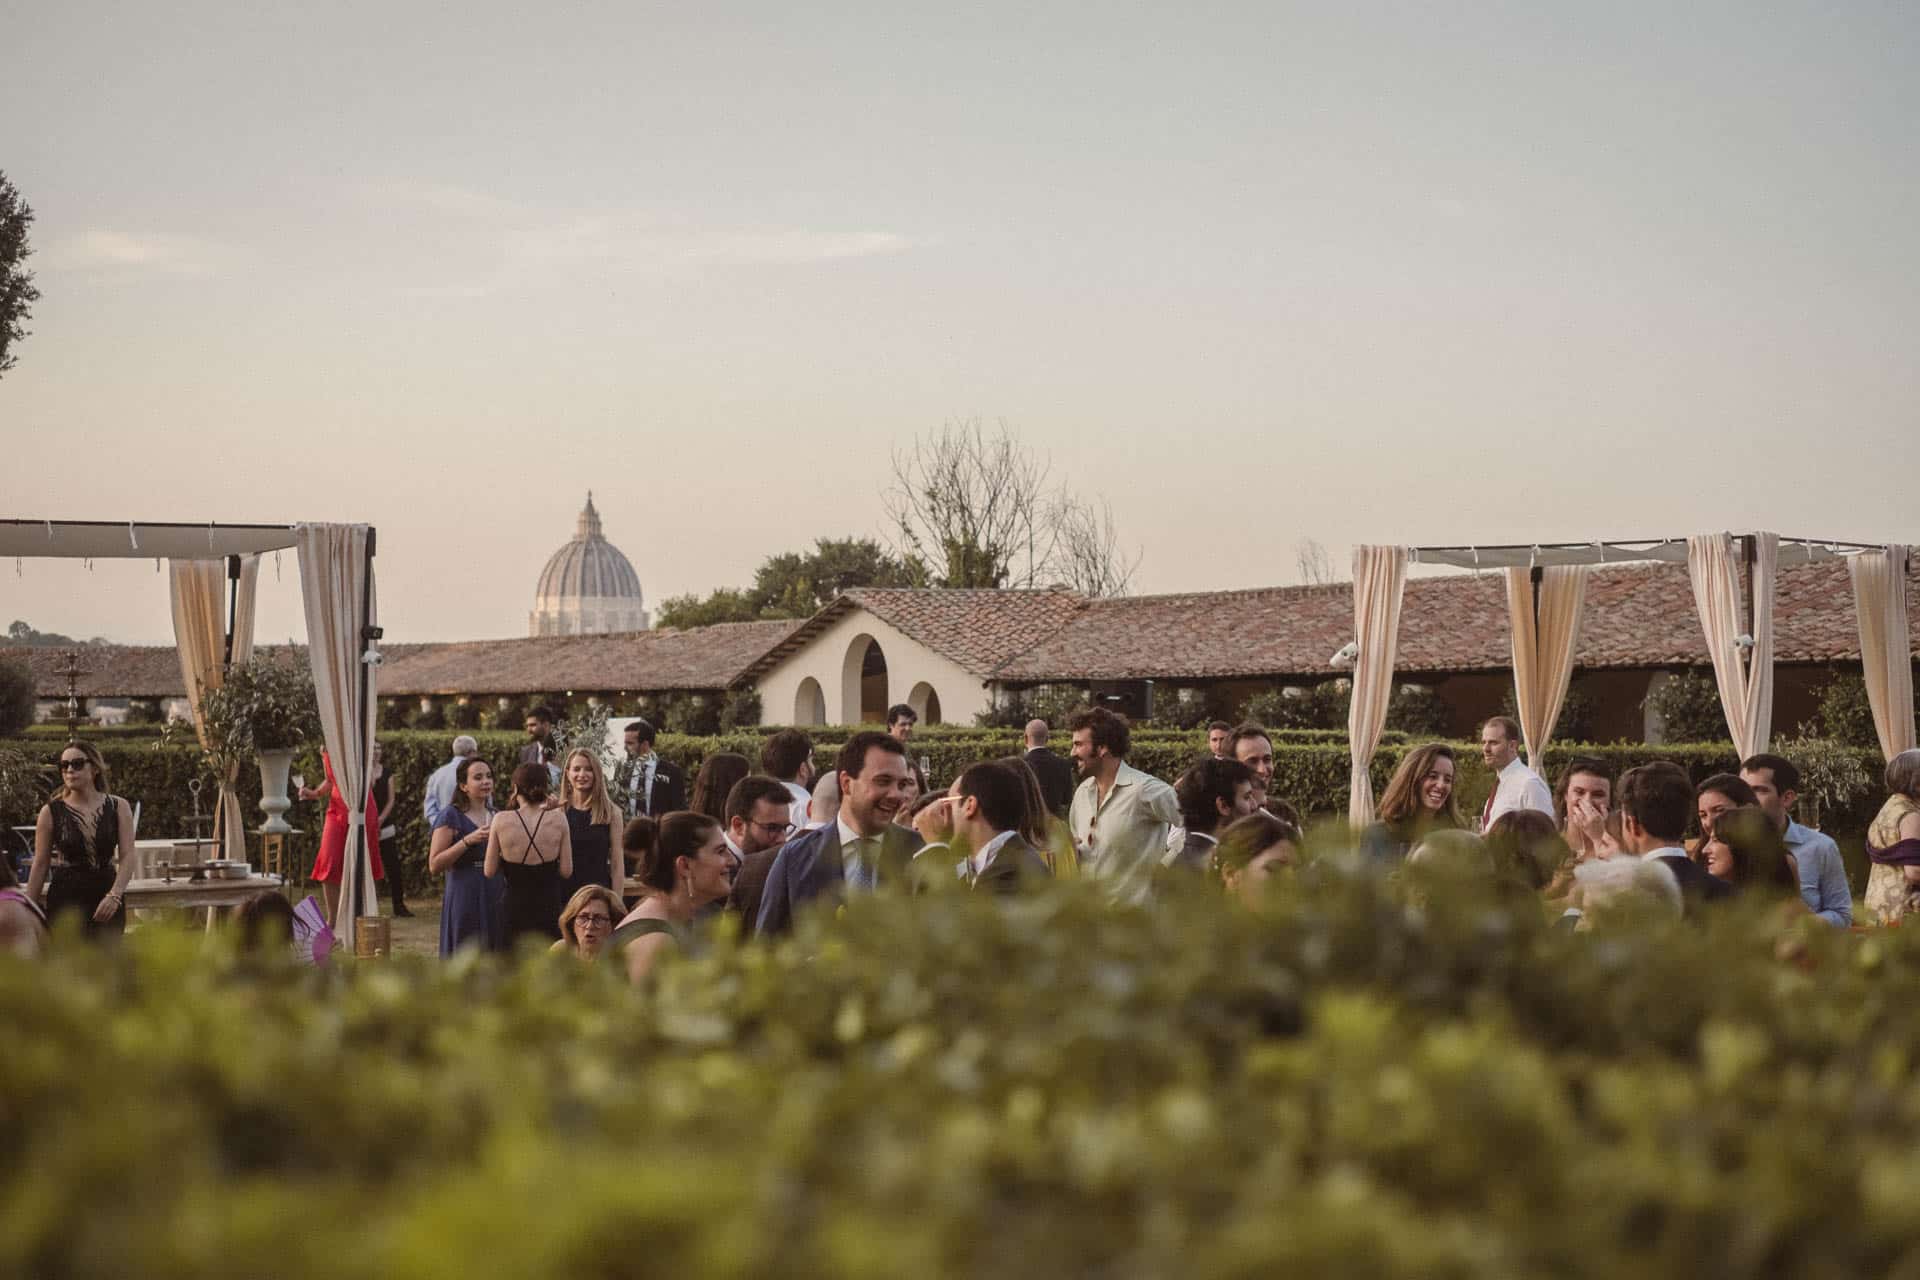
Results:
<point x="79" y="836"/>
<point x="587" y="923"/>
<point x="688" y="867"/>
<point x="592" y="819"/>
<point x="473" y="911"/>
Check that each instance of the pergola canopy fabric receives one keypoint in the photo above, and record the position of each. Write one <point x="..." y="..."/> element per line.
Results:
<point x="137" y="539"/>
<point x="1524" y="555"/>
<point x="339" y="614"/>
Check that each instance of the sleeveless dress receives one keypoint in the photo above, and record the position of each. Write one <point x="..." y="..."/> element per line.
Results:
<point x="592" y="853"/>
<point x="633" y="929"/>
<point x="329" y="864"/>
<point x="533" y="889"/>
<point x="1888" y="895"/>
<point x="83" y="872"/>
<point x="473" y="911"/>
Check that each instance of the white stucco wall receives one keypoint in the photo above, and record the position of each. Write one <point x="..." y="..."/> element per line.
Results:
<point x="962" y="694"/>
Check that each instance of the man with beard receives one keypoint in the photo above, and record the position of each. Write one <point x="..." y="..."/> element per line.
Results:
<point x="758" y="823"/>
<point x="1120" y="816"/>
<point x="863" y="849"/>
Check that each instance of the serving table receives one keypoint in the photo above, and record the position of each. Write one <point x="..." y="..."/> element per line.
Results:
<point x="215" y="895"/>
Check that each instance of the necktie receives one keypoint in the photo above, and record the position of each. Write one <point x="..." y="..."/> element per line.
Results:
<point x="1486" y="814"/>
<point x="866" y="852"/>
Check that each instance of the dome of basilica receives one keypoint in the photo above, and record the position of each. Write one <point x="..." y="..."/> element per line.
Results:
<point x="588" y="586"/>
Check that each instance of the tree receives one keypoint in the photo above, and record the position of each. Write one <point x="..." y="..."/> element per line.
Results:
<point x="21" y="633"/>
<point x="793" y="584"/>
<point x="800" y="584"/>
<point x="16" y="697"/>
<point x="727" y="604"/>
<point x="973" y="509"/>
<point x="1316" y="566"/>
<point x="17" y="294"/>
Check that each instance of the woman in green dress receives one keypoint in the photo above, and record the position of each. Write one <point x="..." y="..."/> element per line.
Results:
<point x="687" y="868"/>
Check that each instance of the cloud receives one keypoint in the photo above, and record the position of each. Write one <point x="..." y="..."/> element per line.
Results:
<point x="104" y="249"/>
<point x="487" y="244"/>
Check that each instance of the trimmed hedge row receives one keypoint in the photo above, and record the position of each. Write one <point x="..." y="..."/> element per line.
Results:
<point x="1312" y="776"/>
<point x="945" y="1086"/>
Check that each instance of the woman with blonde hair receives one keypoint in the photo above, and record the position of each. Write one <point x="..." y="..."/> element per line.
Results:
<point x="586" y="925"/>
<point x="1419" y="800"/>
<point x="1893" y="843"/>
<point x="592" y="819"/>
<point x="79" y="835"/>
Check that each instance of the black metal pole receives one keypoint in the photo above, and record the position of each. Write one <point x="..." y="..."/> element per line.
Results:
<point x="368" y="634"/>
<point x="233" y="607"/>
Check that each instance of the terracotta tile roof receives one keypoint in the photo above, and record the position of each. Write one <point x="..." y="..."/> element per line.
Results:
<point x="704" y="658"/>
<point x="701" y="658"/>
<point x="1637" y="616"/>
<point x="977" y="630"/>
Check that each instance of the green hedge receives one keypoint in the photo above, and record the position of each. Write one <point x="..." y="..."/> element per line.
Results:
<point x="946" y="1087"/>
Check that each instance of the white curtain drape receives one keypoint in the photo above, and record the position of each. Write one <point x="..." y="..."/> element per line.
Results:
<point x="1886" y="648"/>
<point x="335" y="582"/>
<point x="1379" y="581"/>
<point x="1746" y="687"/>
<point x="1543" y="647"/>
<point x="198" y="589"/>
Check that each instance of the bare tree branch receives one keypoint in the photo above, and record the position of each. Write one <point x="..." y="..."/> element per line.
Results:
<point x="1316" y="566"/>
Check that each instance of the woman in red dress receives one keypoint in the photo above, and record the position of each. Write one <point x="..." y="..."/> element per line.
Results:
<point x="329" y="866"/>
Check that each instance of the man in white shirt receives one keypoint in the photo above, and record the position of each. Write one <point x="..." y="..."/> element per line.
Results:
<point x="1120" y="815"/>
<point x="1518" y="787"/>
<point x="788" y="756"/>
<point x="441" y="783"/>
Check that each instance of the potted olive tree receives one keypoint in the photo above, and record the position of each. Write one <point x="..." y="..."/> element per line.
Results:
<point x="265" y="709"/>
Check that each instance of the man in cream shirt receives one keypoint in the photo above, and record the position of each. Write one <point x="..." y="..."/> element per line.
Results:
<point x="1519" y="787"/>
<point x="1120" y="816"/>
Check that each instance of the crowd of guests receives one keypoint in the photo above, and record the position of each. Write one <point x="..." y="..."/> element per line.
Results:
<point x="627" y="866"/>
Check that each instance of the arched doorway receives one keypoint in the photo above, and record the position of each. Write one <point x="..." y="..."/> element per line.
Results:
<point x="925" y="703"/>
<point x="809" y="703"/>
<point x="863" y="682"/>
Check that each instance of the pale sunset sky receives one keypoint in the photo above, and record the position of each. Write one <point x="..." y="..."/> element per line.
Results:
<point x="1251" y="272"/>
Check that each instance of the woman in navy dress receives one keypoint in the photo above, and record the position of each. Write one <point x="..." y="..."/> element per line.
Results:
<point x="591" y="821"/>
<point x="472" y="912"/>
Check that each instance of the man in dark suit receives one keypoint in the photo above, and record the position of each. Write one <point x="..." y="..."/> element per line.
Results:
<point x="646" y="784"/>
<point x="1655" y="800"/>
<point x="861" y="850"/>
<point x="539" y="748"/>
<point x="980" y="817"/>
<point x="758" y="811"/>
<point x="1212" y="794"/>
<point x="1055" y="774"/>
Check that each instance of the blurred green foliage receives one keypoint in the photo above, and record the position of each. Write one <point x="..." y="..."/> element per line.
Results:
<point x="1344" y="1085"/>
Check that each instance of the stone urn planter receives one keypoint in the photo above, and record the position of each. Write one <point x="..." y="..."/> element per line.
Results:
<point x="274" y="802"/>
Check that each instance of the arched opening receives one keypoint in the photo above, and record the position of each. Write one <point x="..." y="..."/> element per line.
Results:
<point x="925" y="703"/>
<point x="809" y="703"/>
<point x="863" y="682"/>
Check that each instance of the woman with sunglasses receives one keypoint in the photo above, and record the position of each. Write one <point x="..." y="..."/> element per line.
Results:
<point x="586" y="925"/>
<point x="80" y="834"/>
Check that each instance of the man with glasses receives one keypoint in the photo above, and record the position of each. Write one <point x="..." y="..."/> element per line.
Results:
<point x="759" y="820"/>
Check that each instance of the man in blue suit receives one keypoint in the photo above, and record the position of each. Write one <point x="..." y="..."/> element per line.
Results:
<point x="862" y="850"/>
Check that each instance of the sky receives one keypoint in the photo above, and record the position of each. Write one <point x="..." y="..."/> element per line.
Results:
<point x="1251" y="273"/>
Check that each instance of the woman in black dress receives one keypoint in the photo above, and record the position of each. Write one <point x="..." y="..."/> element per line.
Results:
<point x="78" y="837"/>
<point x="528" y="847"/>
<point x="591" y="821"/>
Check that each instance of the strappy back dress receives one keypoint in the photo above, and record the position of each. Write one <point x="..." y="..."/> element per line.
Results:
<point x="533" y="888"/>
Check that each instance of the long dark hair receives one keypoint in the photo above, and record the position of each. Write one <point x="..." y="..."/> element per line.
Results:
<point x="460" y="772"/>
<point x="1401" y="802"/>
<point x="1033" y="825"/>
<point x="714" y="782"/>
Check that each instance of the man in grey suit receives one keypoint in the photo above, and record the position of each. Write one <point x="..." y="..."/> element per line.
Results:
<point x="980" y="817"/>
<point x="861" y="850"/>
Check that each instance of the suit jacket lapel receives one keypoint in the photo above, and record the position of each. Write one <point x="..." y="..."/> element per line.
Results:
<point x="826" y="870"/>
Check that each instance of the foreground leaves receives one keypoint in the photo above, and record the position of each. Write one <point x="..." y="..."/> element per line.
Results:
<point x="945" y="1086"/>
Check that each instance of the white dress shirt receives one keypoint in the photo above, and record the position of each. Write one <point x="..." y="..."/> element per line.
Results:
<point x="800" y="807"/>
<point x="1124" y="837"/>
<point x="1520" y="788"/>
<point x="852" y="863"/>
<point x="440" y="789"/>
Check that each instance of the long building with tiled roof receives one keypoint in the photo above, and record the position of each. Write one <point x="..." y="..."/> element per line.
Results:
<point x="952" y="654"/>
